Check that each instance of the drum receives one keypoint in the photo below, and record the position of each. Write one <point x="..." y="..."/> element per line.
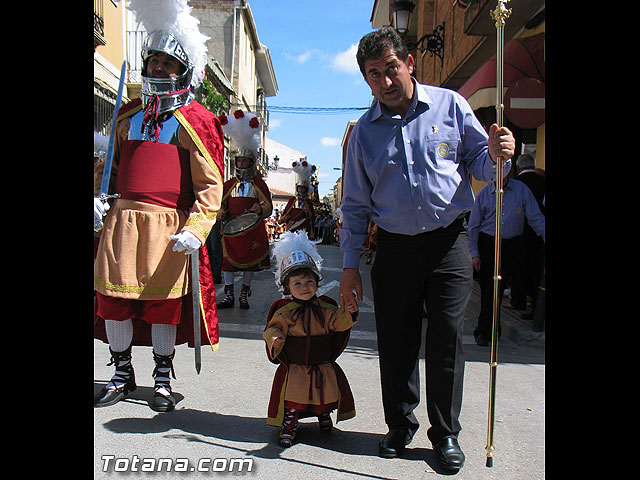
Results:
<point x="297" y="224"/>
<point x="240" y="224"/>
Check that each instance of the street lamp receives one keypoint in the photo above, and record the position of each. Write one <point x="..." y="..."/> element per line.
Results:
<point x="276" y="161"/>
<point x="401" y="15"/>
<point x="434" y="41"/>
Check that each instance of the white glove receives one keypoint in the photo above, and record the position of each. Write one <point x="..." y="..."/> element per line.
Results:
<point x="186" y="241"/>
<point x="100" y="209"/>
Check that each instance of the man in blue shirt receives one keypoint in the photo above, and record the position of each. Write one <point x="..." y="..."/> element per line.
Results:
<point x="408" y="163"/>
<point x="518" y="204"/>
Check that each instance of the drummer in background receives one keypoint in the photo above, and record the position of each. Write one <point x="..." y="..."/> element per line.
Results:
<point x="247" y="252"/>
<point x="298" y="213"/>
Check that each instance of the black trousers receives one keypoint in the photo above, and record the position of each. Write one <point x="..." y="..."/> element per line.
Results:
<point x="508" y="263"/>
<point x="432" y="269"/>
<point x="214" y="248"/>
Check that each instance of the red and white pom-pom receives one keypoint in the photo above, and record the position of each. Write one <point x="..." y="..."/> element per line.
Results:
<point x="242" y="128"/>
<point x="303" y="171"/>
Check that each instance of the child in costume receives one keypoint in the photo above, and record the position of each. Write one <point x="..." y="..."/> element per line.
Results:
<point x="305" y="334"/>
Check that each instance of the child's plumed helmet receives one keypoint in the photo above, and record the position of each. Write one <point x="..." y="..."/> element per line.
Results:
<point x="294" y="251"/>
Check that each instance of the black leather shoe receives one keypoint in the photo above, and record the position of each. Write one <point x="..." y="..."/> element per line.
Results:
<point x="124" y="376"/>
<point x="449" y="453"/>
<point x="394" y="442"/>
<point x="106" y="398"/>
<point x="482" y="340"/>
<point x="161" y="403"/>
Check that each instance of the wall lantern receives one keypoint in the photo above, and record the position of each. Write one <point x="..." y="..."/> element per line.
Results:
<point x="275" y="165"/>
<point x="430" y="42"/>
<point x="401" y="15"/>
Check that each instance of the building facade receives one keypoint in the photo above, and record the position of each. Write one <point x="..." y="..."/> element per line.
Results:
<point x="454" y="46"/>
<point x="241" y="58"/>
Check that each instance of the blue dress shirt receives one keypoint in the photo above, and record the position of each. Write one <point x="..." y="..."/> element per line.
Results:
<point x="410" y="174"/>
<point x="517" y="203"/>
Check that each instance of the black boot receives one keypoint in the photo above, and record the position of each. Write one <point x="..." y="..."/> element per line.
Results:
<point x="163" y="401"/>
<point x="242" y="300"/>
<point x="229" y="299"/>
<point x="122" y="382"/>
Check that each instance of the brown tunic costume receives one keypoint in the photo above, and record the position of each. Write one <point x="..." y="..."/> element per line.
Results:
<point x="306" y="338"/>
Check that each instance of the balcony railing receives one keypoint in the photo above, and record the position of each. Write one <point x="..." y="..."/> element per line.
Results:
<point x="134" y="59"/>
<point x="98" y="23"/>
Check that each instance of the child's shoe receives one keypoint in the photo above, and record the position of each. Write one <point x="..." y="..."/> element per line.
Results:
<point x="325" y="422"/>
<point x="289" y="427"/>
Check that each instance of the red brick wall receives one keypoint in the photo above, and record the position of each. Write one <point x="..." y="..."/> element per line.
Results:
<point x="457" y="45"/>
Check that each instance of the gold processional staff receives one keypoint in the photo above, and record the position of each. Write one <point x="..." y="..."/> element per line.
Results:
<point x="499" y="15"/>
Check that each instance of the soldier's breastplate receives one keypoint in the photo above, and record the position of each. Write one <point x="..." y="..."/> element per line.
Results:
<point x="241" y="198"/>
<point x="155" y="172"/>
<point x="168" y="132"/>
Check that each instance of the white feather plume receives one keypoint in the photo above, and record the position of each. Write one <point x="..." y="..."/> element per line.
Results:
<point x="174" y="16"/>
<point x="290" y="242"/>
<point x="243" y="136"/>
<point x="303" y="171"/>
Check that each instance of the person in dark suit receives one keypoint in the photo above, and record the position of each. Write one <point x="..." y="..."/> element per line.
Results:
<point x="529" y="259"/>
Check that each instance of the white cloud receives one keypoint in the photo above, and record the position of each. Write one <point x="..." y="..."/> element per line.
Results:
<point x="329" y="141"/>
<point x="346" y="61"/>
<point x="303" y="57"/>
<point x="275" y="123"/>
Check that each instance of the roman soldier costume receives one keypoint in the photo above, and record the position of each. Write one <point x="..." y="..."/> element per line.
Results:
<point x="298" y="214"/>
<point x="245" y="248"/>
<point x="168" y="155"/>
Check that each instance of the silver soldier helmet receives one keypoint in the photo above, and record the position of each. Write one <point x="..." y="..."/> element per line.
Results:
<point x="245" y="174"/>
<point x="174" y="92"/>
<point x="295" y="261"/>
<point x="303" y="171"/>
<point x="293" y="252"/>
<point x="244" y="130"/>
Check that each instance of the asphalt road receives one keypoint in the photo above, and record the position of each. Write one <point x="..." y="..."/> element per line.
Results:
<point x="219" y="425"/>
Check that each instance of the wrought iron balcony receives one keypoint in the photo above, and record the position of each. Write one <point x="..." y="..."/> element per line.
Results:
<point x="98" y="24"/>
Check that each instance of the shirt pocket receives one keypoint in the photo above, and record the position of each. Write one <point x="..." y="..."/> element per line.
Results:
<point x="442" y="152"/>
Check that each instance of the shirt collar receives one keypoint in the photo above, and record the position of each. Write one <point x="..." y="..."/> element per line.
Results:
<point x="421" y="96"/>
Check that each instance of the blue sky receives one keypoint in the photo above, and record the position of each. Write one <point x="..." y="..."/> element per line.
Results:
<point x="312" y="46"/>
